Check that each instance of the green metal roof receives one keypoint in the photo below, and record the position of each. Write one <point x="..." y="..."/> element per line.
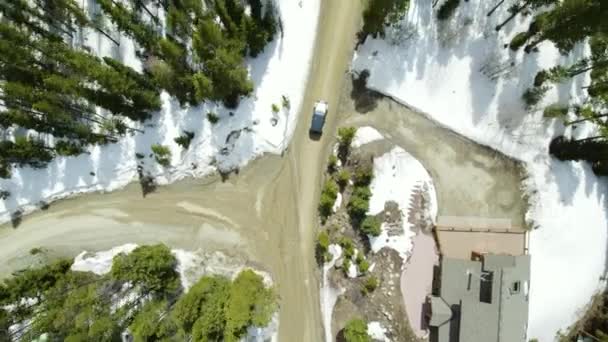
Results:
<point x="488" y="300"/>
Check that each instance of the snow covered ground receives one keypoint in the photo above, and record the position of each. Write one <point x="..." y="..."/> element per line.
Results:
<point x="191" y="266"/>
<point x="461" y="74"/>
<point x="239" y="136"/>
<point x="377" y="332"/>
<point x="329" y="295"/>
<point x="100" y="262"/>
<point x="365" y="135"/>
<point x="397" y="176"/>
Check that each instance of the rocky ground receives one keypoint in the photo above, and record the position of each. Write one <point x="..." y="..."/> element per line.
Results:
<point x="385" y="303"/>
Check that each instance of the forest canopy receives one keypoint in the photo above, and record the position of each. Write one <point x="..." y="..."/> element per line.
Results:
<point x="58" y="97"/>
<point x="566" y="24"/>
<point x="141" y="294"/>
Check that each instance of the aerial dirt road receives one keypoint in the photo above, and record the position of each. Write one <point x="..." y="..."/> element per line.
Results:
<point x="267" y="212"/>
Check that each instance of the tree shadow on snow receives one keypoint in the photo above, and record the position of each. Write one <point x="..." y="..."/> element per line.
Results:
<point x="365" y="99"/>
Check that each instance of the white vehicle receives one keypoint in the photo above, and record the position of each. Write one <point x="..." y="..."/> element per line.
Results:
<point x="319" y="113"/>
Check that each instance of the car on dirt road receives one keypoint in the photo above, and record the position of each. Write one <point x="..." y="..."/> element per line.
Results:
<point x="319" y="113"/>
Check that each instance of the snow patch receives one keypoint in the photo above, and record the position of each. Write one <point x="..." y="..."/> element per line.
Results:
<point x="460" y="73"/>
<point x="366" y="135"/>
<point x="100" y="262"/>
<point x="240" y="135"/>
<point x="328" y="295"/>
<point x="352" y="270"/>
<point x="397" y="176"/>
<point x="337" y="203"/>
<point x="377" y="332"/>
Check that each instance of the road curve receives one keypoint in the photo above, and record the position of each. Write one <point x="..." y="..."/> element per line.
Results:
<point x="267" y="212"/>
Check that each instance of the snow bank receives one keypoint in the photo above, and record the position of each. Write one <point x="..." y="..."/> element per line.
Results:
<point x="365" y="135"/>
<point x="337" y="203"/>
<point x="377" y="332"/>
<point x="328" y="295"/>
<point x="100" y="262"/>
<point x="462" y="75"/>
<point x="352" y="271"/>
<point x="397" y="176"/>
<point x="239" y="136"/>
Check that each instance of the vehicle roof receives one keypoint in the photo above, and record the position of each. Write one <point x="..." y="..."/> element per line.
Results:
<point x="321" y="108"/>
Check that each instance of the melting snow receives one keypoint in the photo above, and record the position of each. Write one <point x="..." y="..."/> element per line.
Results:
<point x="337" y="203"/>
<point x="366" y="135"/>
<point x="100" y="262"/>
<point x="460" y="73"/>
<point x="397" y="175"/>
<point x="377" y="332"/>
<point x="240" y="135"/>
<point x="328" y="295"/>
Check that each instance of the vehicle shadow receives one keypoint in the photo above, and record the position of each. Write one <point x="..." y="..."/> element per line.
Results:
<point x="314" y="135"/>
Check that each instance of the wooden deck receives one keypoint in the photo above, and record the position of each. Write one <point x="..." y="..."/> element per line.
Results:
<point x="461" y="237"/>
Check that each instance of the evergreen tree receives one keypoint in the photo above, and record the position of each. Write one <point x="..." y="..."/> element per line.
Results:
<point x="380" y="13"/>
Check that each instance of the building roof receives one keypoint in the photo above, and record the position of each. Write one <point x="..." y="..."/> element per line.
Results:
<point x="489" y="299"/>
<point x="321" y="108"/>
<point x="440" y="312"/>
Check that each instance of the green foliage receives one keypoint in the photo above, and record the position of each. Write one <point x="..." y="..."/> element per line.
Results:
<point x="518" y="41"/>
<point x="213" y="118"/>
<point x="23" y="151"/>
<point x="36" y="250"/>
<point x="275" y="108"/>
<point x="33" y="283"/>
<point x="356" y="331"/>
<point x="362" y="265"/>
<point x="68" y="148"/>
<point x="328" y="198"/>
<point x="541" y="77"/>
<point x="150" y="267"/>
<point x="76" y="309"/>
<point x="346" y="135"/>
<point x="77" y="306"/>
<point x="345" y="138"/>
<point x="201" y="311"/>
<point x="228" y="76"/>
<point x="533" y="95"/>
<point x="332" y="164"/>
<point x="342" y="178"/>
<point x="250" y="303"/>
<point x="346" y="266"/>
<point x="323" y="245"/>
<point x="380" y="13"/>
<point x="447" y="9"/>
<point x="370" y="284"/>
<point x="555" y="111"/>
<point x="348" y="247"/>
<point x="162" y="154"/>
<point x="364" y="173"/>
<point x="569" y="22"/>
<point x="5" y="323"/>
<point x="185" y="139"/>
<point x="153" y="322"/>
<point x="358" y="204"/>
<point x="371" y="226"/>
<point x="56" y="90"/>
